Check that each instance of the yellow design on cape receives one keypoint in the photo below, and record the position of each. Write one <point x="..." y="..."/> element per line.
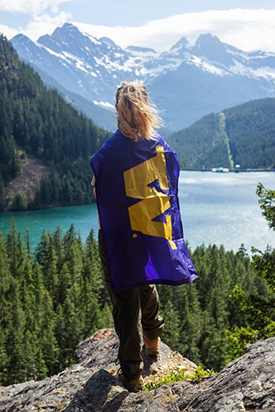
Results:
<point x="153" y="203"/>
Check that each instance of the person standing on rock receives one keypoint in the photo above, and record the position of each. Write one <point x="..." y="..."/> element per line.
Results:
<point x="140" y="234"/>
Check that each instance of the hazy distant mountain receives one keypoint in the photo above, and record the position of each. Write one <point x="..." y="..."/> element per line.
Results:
<point x="101" y="116"/>
<point x="187" y="81"/>
<point x="243" y="135"/>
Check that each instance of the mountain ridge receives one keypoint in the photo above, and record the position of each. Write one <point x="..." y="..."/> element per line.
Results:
<point x="243" y="134"/>
<point x="187" y="81"/>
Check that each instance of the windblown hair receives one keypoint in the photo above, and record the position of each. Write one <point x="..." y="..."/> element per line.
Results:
<point x="137" y="118"/>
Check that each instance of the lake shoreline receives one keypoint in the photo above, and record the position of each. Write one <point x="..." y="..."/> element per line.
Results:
<point x="229" y="171"/>
<point x="54" y="206"/>
<point x="216" y="208"/>
<point x="47" y="207"/>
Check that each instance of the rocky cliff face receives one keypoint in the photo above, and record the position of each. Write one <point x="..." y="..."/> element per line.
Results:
<point x="246" y="384"/>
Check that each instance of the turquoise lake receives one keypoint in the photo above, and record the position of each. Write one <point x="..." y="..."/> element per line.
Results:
<point x="216" y="208"/>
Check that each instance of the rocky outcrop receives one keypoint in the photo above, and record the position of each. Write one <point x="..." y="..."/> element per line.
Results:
<point x="246" y="384"/>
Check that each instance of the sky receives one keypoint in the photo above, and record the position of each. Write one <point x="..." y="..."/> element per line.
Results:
<point x="246" y="24"/>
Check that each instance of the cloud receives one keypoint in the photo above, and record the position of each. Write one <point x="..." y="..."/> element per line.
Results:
<point x="45" y="24"/>
<point x="32" y="7"/>
<point x="44" y="16"/>
<point x="7" y="31"/>
<point x="38" y="26"/>
<point x="245" y="29"/>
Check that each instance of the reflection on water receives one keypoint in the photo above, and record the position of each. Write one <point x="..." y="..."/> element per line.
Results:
<point x="215" y="208"/>
<point x="223" y="209"/>
<point x="226" y="178"/>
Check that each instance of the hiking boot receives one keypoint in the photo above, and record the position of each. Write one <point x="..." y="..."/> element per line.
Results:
<point x="134" y="385"/>
<point x="152" y="346"/>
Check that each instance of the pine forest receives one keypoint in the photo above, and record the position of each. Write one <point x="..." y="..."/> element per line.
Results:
<point x="54" y="296"/>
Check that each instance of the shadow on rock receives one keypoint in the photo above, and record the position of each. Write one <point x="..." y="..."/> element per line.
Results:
<point x="102" y="392"/>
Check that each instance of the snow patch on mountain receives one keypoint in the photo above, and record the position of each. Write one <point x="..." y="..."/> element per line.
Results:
<point x="205" y="66"/>
<point x="93" y="68"/>
<point x="102" y="57"/>
<point x="104" y="104"/>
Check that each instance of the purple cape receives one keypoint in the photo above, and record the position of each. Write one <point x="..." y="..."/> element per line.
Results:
<point x="137" y="200"/>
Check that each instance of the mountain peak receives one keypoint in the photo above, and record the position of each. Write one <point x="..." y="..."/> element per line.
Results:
<point x="207" y="39"/>
<point x="67" y="28"/>
<point x="182" y="43"/>
<point x="20" y="38"/>
<point x="68" y="38"/>
<point x="21" y="42"/>
<point x="44" y="38"/>
<point x="108" y="41"/>
<point x="210" y="47"/>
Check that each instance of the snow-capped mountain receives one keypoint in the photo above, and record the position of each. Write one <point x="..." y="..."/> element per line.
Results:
<point x="213" y="56"/>
<point x="78" y="61"/>
<point x="186" y="81"/>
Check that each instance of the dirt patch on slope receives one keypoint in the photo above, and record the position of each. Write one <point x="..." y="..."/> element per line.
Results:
<point x="28" y="181"/>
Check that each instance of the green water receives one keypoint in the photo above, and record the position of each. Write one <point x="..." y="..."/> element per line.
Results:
<point x="215" y="208"/>
<point x="84" y="218"/>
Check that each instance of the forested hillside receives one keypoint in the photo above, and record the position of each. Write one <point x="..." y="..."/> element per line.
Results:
<point x="243" y="135"/>
<point x="54" y="298"/>
<point x="38" y="121"/>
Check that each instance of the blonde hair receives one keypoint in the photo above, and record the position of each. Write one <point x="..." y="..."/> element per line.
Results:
<point x="136" y="117"/>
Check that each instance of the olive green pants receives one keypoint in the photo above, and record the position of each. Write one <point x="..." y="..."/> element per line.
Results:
<point x="135" y="312"/>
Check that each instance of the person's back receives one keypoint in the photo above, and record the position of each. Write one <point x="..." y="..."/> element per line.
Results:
<point x="141" y="239"/>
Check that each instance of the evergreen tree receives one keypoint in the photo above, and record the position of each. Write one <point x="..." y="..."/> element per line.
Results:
<point x="6" y="284"/>
<point x="171" y="333"/>
<point x="2" y="194"/>
<point x="259" y="309"/>
<point x="72" y="330"/>
<point x="47" y="338"/>
<point x="190" y="323"/>
<point x="267" y="204"/>
<point x="16" y="350"/>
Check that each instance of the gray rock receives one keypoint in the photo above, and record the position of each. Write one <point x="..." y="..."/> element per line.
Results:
<point x="246" y="384"/>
